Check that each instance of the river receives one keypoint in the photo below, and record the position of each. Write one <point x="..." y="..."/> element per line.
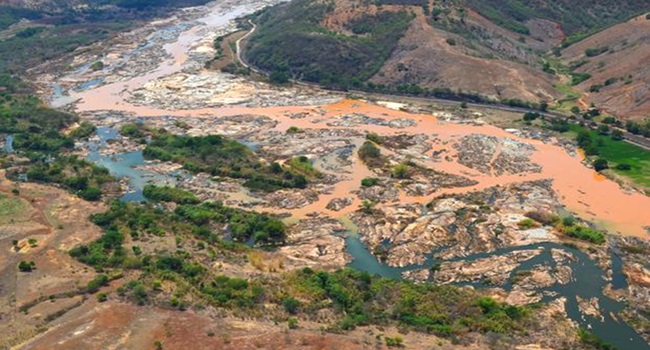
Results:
<point x="588" y="279"/>
<point x="590" y="197"/>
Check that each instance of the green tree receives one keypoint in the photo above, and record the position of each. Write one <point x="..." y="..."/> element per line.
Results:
<point x="600" y="164"/>
<point x="25" y="266"/>
<point x="91" y="193"/>
<point x="603" y="129"/>
<point x="530" y="116"/>
<point x="291" y="305"/>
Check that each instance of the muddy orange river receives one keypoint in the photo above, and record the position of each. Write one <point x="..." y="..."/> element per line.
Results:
<point x="579" y="188"/>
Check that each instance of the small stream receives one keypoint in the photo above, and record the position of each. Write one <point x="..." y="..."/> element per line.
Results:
<point x="588" y="281"/>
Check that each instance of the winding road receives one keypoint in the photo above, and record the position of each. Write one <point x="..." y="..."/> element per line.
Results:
<point x="239" y="49"/>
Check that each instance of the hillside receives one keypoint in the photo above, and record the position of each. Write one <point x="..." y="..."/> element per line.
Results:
<point x="493" y="48"/>
<point x="617" y="60"/>
<point x="303" y="39"/>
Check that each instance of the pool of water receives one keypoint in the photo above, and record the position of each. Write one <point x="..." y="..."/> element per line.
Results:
<point x="59" y="98"/>
<point x="124" y="166"/>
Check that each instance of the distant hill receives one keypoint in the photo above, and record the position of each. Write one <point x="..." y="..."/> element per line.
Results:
<point x="496" y="48"/>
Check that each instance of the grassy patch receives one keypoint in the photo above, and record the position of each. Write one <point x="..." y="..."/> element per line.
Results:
<point x="12" y="209"/>
<point x="620" y="152"/>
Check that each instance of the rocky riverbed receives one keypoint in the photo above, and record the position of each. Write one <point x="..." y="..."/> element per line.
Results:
<point x="456" y="215"/>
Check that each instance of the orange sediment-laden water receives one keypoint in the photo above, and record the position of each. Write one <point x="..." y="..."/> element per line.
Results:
<point x="579" y="188"/>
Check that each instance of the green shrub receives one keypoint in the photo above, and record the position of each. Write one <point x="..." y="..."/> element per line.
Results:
<point x="578" y="78"/>
<point x="400" y="171"/>
<point x="132" y="130"/>
<point x="291" y="305"/>
<point x="368" y="151"/>
<point x="25" y="266"/>
<point x="169" y="194"/>
<point x="593" y="52"/>
<point x="83" y="131"/>
<point x="374" y="137"/>
<point x="396" y="341"/>
<point x="530" y="116"/>
<point x="526" y="224"/>
<point x="594" y="341"/>
<point x="102" y="297"/>
<point x="91" y="194"/>
<point x="96" y="283"/>
<point x="568" y="221"/>
<point x="544" y="218"/>
<point x="585" y="234"/>
<point x="595" y="88"/>
<point x="369" y="181"/>
<point x="293" y="130"/>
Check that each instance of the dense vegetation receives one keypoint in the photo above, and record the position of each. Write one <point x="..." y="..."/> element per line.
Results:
<point x="354" y="298"/>
<point x="168" y="194"/>
<point x="37" y="135"/>
<point x="204" y="223"/>
<point x="575" y="17"/>
<point x="220" y="156"/>
<point x="291" y="43"/>
<point x="364" y="299"/>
